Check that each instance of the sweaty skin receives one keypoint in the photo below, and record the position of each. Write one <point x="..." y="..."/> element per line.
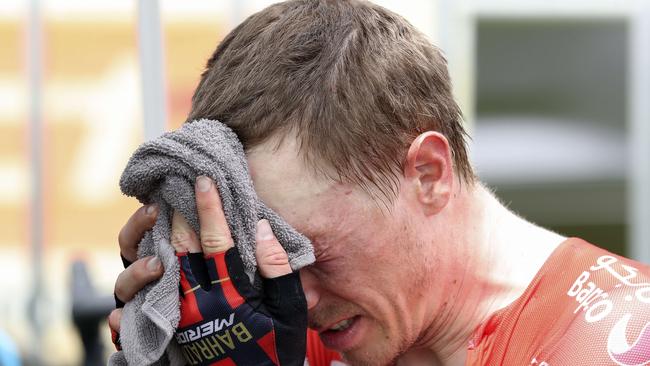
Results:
<point x="412" y="279"/>
<point x="420" y="275"/>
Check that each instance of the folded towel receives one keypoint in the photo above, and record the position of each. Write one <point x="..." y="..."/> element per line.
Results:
<point x="164" y="171"/>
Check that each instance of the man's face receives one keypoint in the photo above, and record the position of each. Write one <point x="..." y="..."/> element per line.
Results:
<point x="368" y="287"/>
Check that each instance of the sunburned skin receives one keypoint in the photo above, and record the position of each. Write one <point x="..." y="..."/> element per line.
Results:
<point x="420" y="276"/>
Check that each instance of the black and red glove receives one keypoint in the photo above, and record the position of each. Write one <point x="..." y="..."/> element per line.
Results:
<point x="225" y="321"/>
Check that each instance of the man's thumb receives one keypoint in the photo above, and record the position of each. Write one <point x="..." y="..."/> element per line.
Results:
<point x="272" y="259"/>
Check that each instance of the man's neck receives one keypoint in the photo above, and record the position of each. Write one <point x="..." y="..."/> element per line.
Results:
<point x="518" y="250"/>
<point x="503" y="254"/>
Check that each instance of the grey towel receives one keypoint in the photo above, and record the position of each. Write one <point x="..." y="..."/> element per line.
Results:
<point x="164" y="171"/>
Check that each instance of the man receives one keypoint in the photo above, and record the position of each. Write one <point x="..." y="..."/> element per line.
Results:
<point x="353" y="137"/>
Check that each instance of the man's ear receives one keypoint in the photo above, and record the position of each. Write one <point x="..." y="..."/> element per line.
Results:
<point x="429" y="168"/>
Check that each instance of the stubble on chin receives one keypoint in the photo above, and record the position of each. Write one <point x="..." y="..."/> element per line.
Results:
<point x="386" y="352"/>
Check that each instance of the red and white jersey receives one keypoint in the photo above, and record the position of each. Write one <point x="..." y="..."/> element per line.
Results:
<point x="585" y="306"/>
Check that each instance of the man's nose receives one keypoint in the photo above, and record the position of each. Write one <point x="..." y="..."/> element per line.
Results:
<point x="310" y="288"/>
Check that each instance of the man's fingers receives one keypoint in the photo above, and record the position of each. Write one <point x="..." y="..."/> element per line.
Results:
<point x="114" y="320"/>
<point x="283" y="297"/>
<point x="142" y="220"/>
<point x="272" y="259"/>
<point x="136" y="276"/>
<point x="215" y="234"/>
<point x="184" y="239"/>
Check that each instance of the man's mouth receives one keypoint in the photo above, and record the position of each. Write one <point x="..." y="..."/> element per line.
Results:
<point x="344" y="334"/>
<point x="342" y="325"/>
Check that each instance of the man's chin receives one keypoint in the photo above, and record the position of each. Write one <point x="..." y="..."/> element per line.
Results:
<point x="363" y="343"/>
<point x="373" y="350"/>
<point x="361" y="358"/>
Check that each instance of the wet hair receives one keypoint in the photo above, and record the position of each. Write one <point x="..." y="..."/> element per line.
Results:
<point x="353" y="81"/>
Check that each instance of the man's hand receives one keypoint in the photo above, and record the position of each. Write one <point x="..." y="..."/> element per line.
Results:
<point x="222" y="317"/>
<point x="138" y="272"/>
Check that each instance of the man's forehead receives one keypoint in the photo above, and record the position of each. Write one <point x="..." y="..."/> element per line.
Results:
<point x="286" y="185"/>
<point x="314" y="205"/>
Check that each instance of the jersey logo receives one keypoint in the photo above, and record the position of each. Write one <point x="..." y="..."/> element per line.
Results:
<point x="637" y="354"/>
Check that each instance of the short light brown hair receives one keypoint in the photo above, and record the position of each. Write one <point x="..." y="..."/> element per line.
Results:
<point x="353" y="81"/>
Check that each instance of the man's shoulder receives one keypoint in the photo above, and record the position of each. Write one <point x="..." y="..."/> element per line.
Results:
<point x="586" y="306"/>
<point x="610" y="300"/>
<point x="601" y="277"/>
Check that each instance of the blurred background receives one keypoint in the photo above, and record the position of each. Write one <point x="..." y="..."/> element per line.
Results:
<point x="556" y="96"/>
